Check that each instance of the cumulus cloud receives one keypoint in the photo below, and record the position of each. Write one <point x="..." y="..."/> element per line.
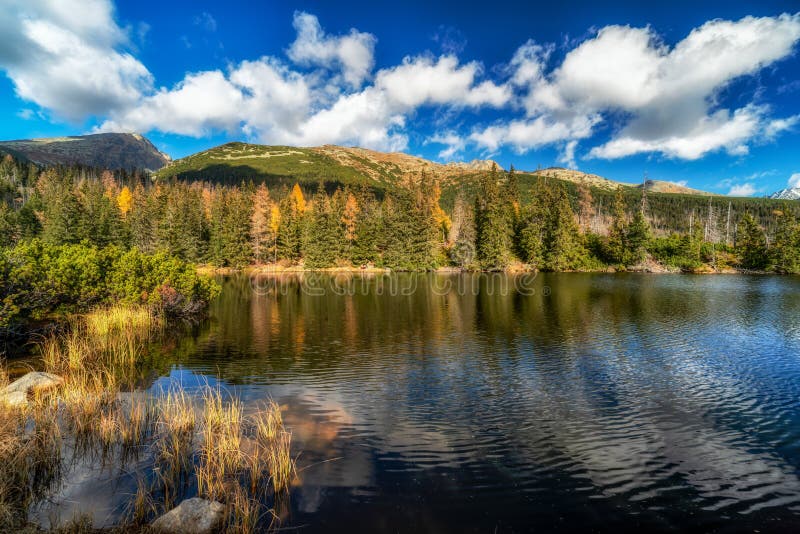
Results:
<point x="670" y="94"/>
<point x="454" y="144"/>
<point x="272" y="103"/>
<point x="526" y="134"/>
<point x="742" y="190"/>
<point x="568" y="155"/>
<point x="794" y="180"/>
<point x="68" y="56"/>
<point x="353" y="52"/>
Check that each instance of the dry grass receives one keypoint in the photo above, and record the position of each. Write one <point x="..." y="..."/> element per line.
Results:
<point x="205" y="440"/>
<point x="135" y="321"/>
<point x="221" y="458"/>
<point x="174" y="442"/>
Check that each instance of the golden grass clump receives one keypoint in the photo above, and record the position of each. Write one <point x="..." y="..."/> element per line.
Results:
<point x="276" y="443"/>
<point x="139" y="420"/>
<point x="221" y="458"/>
<point x="137" y="321"/>
<point x="268" y="423"/>
<point x="174" y="440"/>
<point x="203" y="439"/>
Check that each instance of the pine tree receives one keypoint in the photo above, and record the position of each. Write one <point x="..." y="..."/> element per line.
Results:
<point x="59" y="212"/>
<point x="637" y="238"/>
<point x="409" y="231"/>
<point x="99" y="220"/>
<point x="616" y="246"/>
<point x="324" y="232"/>
<point x="143" y="218"/>
<point x="564" y="248"/>
<point x="290" y="232"/>
<point x="785" y="251"/>
<point x="751" y="243"/>
<point x="7" y="226"/>
<point x="534" y="227"/>
<point x="229" y="239"/>
<point x="462" y="234"/>
<point x="494" y="229"/>
<point x="181" y="229"/>
<point x="550" y="238"/>
<point x="369" y="243"/>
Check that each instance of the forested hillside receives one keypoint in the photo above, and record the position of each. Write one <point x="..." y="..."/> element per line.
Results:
<point x="482" y="219"/>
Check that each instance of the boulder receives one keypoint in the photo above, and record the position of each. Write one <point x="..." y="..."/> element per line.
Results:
<point x="15" y="398"/>
<point x="33" y="382"/>
<point x="17" y="392"/>
<point x="192" y="516"/>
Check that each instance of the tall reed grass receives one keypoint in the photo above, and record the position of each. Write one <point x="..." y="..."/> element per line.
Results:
<point x="191" y="442"/>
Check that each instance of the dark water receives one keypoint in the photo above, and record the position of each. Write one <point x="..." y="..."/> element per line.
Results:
<point x="431" y="403"/>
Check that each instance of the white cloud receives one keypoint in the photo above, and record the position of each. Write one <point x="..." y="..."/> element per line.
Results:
<point x="722" y="129"/>
<point x="742" y="190"/>
<point x="454" y="144"/>
<point x="794" y="180"/>
<point x="65" y="55"/>
<point x="354" y="52"/>
<point x="272" y="103"/>
<point x="568" y="155"/>
<point x="422" y="80"/>
<point x="664" y="96"/>
<point x="670" y="94"/>
<point x="69" y="57"/>
<point x="525" y="135"/>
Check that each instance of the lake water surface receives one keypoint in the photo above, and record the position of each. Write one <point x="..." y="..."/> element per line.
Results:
<point x="483" y="403"/>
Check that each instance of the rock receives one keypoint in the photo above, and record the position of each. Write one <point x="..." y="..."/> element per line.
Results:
<point x="33" y="382"/>
<point x="192" y="516"/>
<point x="15" y="398"/>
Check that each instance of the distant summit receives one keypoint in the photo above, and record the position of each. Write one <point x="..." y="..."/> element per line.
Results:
<point x="790" y="193"/>
<point x="476" y="165"/>
<point x="114" y="151"/>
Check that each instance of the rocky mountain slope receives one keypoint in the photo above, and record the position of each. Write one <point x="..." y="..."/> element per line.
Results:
<point x="107" y="150"/>
<point x="790" y="193"/>
<point x="593" y="180"/>
<point x="349" y="165"/>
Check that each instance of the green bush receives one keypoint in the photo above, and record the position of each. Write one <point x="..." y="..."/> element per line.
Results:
<point x="38" y="280"/>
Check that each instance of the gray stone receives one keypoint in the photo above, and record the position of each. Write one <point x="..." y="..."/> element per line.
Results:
<point x="192" y="516"/>
<point x="15" y="398"/>
<point x="33" y="382"/>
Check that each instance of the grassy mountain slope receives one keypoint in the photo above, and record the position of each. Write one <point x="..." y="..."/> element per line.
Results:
<point x="233" y="162"/>
<point x="108" y="150"/>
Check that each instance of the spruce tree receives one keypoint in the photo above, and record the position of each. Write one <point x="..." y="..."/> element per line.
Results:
<point x="290" y="232"/>
<point x="616" y="246"/>
<point x="785" y="251"/>
<point x="751" y="243"/>
<point x="637" y="238"/>
<point x="494" y="228"/>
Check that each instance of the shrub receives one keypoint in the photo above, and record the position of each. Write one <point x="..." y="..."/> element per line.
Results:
<point x="38" y="280"/>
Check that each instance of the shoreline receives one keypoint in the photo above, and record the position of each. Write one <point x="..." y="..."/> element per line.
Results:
<point x="648" y="268"/>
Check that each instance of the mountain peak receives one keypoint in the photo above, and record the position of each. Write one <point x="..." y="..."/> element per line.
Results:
<point x="106" y="150"/>
<point x="790" y="193"/>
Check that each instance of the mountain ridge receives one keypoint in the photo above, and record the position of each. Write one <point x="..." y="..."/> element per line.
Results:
<point x="115" y="151"/>
<point x="788" y="193"/>
<point x="237" y="160"/>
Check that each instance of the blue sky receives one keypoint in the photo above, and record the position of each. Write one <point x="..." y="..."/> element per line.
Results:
<point x="701" y="93"/>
